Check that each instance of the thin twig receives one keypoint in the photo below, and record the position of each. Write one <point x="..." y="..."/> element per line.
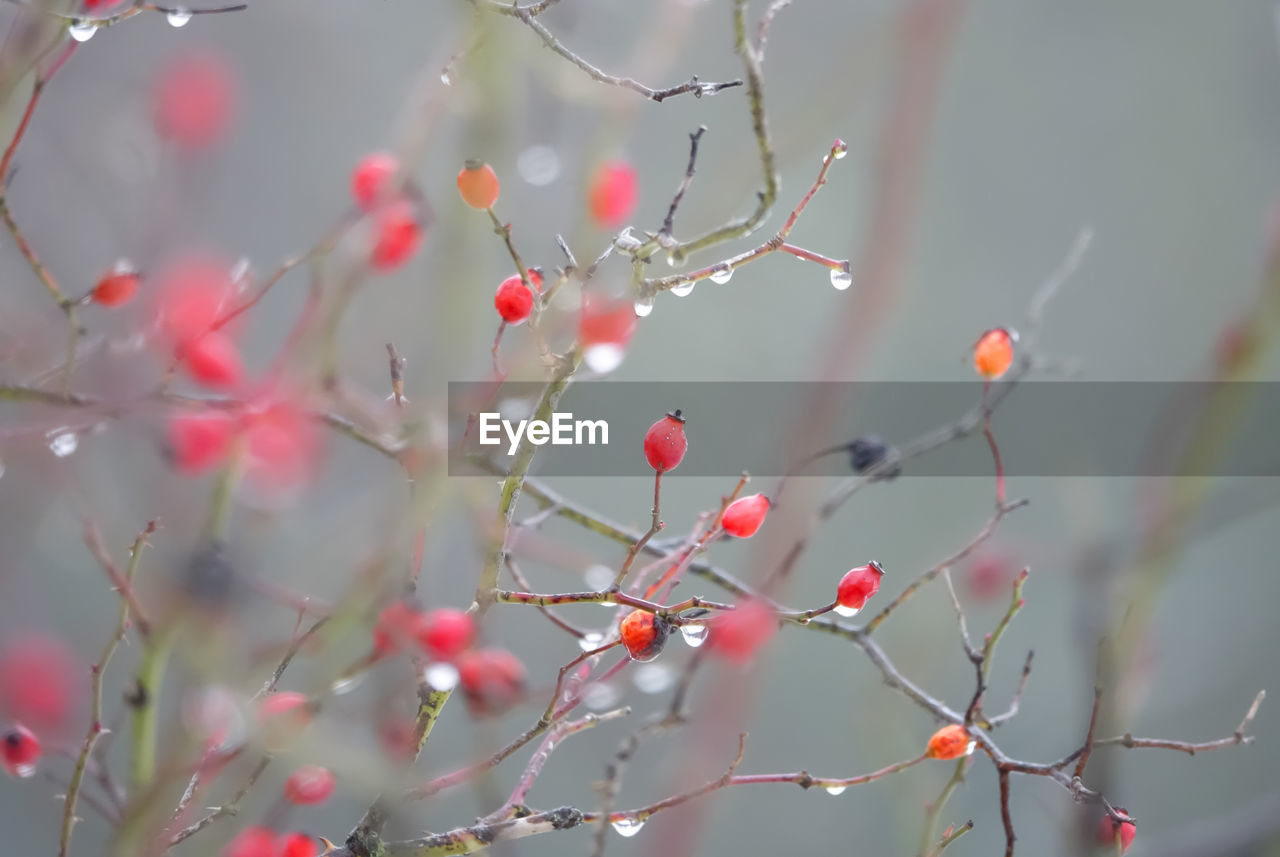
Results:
<point x="669" y="221"/>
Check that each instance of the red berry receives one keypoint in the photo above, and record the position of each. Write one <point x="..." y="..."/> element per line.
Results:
<point x="397" y="625"/>
<point x="478" y="184"/>
<point x="284" y="444"/>
<point x="193" y="100"/>
<point x="190" y="295"/>
<point x="1109" y="830"/>
<point x="993" y="353"/>
<point x="513" y="301"/>
<point x="397" y="236"/>
<point x="39" y="680"/>
<point x="369" y="179"/>
<point x="252" y="842"/>
<point x="492" y="679"/>
<point x="950" y="742"/>
<point x="613" y="192"/>
<point x="745" y="515"/>
<point x="299" y="845"/>
<point x="200" y="442"/>
<point x="214" y="360"/>
<point x="665" y="443"/>
<point x="446" y="633"/>
<point x="989" y="575"/>
<point x="19" y="751"/>
<point x="857" y="587"/>
<point x="309" y="784"/>
<point x="740" y="633"/>
<point x="281" y="716"/>
<point x="604" y="331"/>
<point x="644" y="634"/>
<point x="117" y="286"/>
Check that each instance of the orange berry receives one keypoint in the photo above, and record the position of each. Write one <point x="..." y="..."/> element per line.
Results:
<point x="478" y="184"/>
<point x="993" y="353"/>
<point x="644" y="635"/>
<point x="950" y="742"/>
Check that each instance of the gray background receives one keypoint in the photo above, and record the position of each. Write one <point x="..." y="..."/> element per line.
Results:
<point x="1153" y="121"/>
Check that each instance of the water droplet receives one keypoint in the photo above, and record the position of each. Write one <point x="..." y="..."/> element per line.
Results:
<point x="124" y="265"/>
<point x="604" y="357"/>
<point x="672" y="261"/>
<point x="599" y="577"/>
<point x="653" y="678"/>
<point x="644" y="306"/>
<point x="24" y="771"/>
<point x="538" y="165"/>
<point x="836" y="790"/>
<point x="841" y="278"/>
<point x="968" y="751"/>
<point x="63" y="442"/>
<point x="840" y="149"/>
<point x="628" y="827"/>
<point x="683" y="290"/>
<point x="179" y="17"/>
<point x="445" y="78"/>
<point x="721" y="273"/>
<point x="694" y="635"/>
<point x="590" y="640"/>
<point x="599" y="696"/>
<point x="346" y="684"/>
<point x="842" y="610"/>
<point x="441" y="676"/>
<point x="82" y="31"/>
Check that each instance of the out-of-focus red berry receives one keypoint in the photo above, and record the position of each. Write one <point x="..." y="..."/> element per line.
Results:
<point x="19" y="751"/>
<point x="478" y="185"/>
<point x="857" y="586"/>
<point x="445" y="633"/>
<point x="397" y="235"/>
<point x="117" y="286"/>
<point x="989" y="575"/>
<point x="513" y="300"/>
<point x="252" y="842"/>
<point x="665" y="443"/>
<point x="281" y="717"/>
<point x="200" y="442"/>
<point x="190" y="294"/>
<point x="284" y="444"/>
<point x="604" y="331"/>
<point x="738" y="634"/>
<point x="39" y="680"/>
<point x="194" y="100"/>
<point x="214" y="360"/>
<point x="1109" y="830"/>
<point x="612" y="195"/>
<point x="993" y="353"/>
<point x="644" y="635"/>
<point x="745" y="515"/>
<point x="492" y="679"/>
<point x="308" y="785"/>
<point x="299" y="845"/>
<point x="369" y="179"/>
<point x="396" y="628"/>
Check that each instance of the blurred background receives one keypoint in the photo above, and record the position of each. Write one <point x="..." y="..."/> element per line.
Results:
<point x="983" y="137"/>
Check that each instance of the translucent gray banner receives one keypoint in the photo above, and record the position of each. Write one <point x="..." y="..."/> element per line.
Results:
<point x="1042" y="428"/>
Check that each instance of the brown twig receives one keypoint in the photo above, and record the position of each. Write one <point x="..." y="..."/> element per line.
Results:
<point x="668" y="222"/>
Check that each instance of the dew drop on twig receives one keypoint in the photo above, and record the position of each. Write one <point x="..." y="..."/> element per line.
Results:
<point x="628" y="827"/>
<point x="63" y="442"/>
<point x="694" y="635"/>
<point x="644" y="306"/>
<point x="82" y="31"/>
<point x="842" y="610"/>
<point x="683" y="290"/>
<point x="841" y="277"/>
<point x="721" y="273"/>
<point x="441" y="675"/>
<point x="836" y="790"/>
<point x="178" y="17"/>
